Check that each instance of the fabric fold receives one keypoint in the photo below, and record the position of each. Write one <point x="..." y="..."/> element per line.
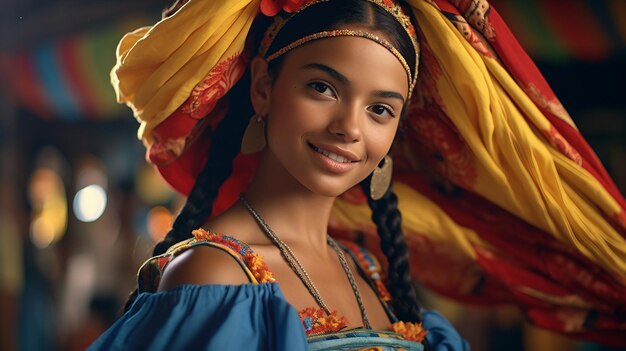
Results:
<point x="208" y="317"/>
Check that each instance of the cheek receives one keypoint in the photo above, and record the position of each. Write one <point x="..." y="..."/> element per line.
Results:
<point x="379" y="140"/>
<point x="292" y="114"/>
<point x="286" y="126"/>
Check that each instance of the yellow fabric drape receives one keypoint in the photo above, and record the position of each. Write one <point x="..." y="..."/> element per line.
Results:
<point x="517" y="168"/>
<point x="158" y="67"/>
<point x="430" y="219"/>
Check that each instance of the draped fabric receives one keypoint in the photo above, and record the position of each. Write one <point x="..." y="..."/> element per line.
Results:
<point x="502" y="199"/>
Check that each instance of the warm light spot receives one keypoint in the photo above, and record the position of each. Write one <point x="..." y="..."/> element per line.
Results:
<point x="89" y="203"/>
<point x="151" y="187"/>
<point x="160" y="221"/>
<point x="43" y="183"/>
<point x="42" y="232"/>
<point x="49" y="207"/>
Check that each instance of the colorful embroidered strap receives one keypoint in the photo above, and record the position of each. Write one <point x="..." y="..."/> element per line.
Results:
<point x="371" y="270"/>
<point x="370" y="267"/>
<point x="252" y="264"/>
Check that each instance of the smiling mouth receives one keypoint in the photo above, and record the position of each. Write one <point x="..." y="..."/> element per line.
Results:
<point x="332" y="156"/>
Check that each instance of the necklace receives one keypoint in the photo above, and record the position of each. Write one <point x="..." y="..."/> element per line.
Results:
<point x="299" y="270"/>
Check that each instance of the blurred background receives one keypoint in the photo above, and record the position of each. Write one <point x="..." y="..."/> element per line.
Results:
<point x="80" y="209"/>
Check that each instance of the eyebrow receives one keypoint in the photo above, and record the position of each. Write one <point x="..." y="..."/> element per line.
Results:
<point x="343" y="79"/>
<point x="389" y="94"/>
<point x="331" y="72"/>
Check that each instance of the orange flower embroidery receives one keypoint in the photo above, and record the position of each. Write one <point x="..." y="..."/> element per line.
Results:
<point x="201" y="234"/>
<point x="259" y="269"/>
<point x="315" y="321"/>
<point x="254" y="262"/>
<point x="410" y="331"/>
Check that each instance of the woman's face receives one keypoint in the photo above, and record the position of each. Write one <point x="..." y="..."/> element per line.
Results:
<point x="333" y="111"/>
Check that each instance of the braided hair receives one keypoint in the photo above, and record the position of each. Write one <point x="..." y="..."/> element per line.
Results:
<point x="225" y="145"/>
<point x="388" y="220"/>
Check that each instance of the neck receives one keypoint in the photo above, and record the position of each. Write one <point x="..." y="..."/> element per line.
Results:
<point x="297" y="216"/>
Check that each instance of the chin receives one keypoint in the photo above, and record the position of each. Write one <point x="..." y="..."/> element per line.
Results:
<point x="329" y="190"/>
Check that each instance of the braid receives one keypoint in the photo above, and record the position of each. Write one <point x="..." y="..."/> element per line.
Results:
<point x="388" y="221"/>
<point x="225" y="145"/>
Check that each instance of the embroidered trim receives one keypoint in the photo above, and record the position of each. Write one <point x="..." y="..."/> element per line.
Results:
<point x="315" y="321"/>
<point x="410" y="331"/>
<point x="254" y="262"/>
<point x="371" y="268"/>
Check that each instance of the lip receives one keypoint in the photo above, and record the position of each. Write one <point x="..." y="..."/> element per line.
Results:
<point x="337" y="150"/>
<point x="331" y="165"/>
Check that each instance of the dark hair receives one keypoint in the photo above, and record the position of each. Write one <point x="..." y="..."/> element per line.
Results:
<point x="226" y="142"/>
<point x="331" y="15"/>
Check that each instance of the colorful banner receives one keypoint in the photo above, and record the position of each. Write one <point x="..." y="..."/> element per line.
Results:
<point x="68" y="78"/>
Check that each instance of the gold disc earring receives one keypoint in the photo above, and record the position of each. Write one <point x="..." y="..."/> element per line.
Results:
<point x="381" y="179"/>
<point x="254" y="137"/>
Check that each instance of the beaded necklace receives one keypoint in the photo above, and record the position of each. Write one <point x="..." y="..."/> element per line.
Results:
<point x="299" y="270"/>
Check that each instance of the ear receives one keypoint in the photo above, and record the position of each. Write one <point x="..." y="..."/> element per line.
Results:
<point x="260" y="86"/>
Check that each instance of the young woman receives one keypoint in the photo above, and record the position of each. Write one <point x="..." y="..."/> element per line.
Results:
<point x="315" y="91"/>
<point x="320" y="126"/>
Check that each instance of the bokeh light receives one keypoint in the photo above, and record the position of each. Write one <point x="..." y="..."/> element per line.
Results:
<point x="42" y="232"/>
<point x="151" y="187"/>
<point x="90" y="203"/>
<point x="47" y="198"/>
<point x="160" y="221"/>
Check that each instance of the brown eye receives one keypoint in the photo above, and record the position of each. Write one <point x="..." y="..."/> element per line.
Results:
<point x="382" y="111"/>
<point x="322" y="88"/>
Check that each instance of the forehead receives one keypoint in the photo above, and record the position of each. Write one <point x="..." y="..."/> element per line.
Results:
<point x="364" y="62"/>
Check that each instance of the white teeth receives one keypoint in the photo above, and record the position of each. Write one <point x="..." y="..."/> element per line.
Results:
<point x="338" y="158"/>
<point x="332" y="156"/>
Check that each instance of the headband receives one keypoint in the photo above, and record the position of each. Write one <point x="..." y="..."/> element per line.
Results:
<point x="391" y="7"/>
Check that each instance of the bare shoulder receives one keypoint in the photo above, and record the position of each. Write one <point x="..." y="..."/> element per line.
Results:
<point x="202" y="265"/>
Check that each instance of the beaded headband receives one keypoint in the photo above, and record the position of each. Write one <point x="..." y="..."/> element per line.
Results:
<point x="391" y="7"/>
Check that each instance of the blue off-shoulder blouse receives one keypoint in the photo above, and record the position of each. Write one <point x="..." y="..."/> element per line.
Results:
<point x="242" y="317"/>
<point x="208" y="317"/>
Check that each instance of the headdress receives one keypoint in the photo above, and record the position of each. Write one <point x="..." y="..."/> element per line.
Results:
<point x="393" y="8"/>
<point x="502" y="199"/>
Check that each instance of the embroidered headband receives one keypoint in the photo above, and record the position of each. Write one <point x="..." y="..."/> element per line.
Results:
<point x="391" y="7"/>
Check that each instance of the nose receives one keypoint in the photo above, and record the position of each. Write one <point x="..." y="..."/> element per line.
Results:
<point x="346" y="124"/>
